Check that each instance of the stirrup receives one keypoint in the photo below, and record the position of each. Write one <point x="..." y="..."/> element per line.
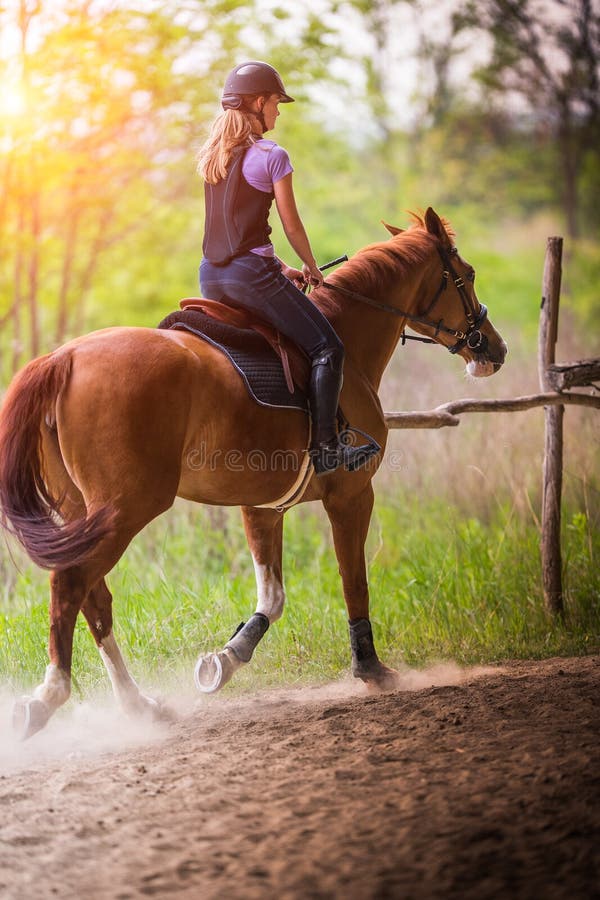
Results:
<point x="330" y="455"/>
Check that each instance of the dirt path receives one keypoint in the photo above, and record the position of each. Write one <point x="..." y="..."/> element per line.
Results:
<point x="485" y="788"/>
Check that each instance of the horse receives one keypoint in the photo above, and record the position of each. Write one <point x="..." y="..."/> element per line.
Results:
<point x="100" y="436"/>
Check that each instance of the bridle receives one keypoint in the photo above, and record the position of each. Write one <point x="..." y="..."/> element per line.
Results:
<point x="472" y="337"/>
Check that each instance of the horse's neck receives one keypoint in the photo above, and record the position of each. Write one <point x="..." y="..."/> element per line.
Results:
<point x="369" y="335"/>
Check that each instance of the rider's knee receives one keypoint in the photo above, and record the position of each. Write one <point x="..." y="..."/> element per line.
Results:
<point x="331" y="355"/>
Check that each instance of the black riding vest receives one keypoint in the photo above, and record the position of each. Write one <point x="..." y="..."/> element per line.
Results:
<point x="237" y="216"/>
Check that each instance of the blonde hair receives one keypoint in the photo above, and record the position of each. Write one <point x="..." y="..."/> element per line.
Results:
<point x="231" y="129"/>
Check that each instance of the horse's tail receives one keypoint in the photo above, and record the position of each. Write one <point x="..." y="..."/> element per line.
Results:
<point x="28" y="508"/>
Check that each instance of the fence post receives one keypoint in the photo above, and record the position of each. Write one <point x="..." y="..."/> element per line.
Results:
<point x="553" y="445"/>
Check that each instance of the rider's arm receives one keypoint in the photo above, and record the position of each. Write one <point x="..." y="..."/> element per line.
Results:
<point x="294" y="229"/>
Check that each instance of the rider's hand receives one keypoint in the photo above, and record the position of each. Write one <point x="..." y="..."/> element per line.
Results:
<point x="312" y="275"/>
<point x="294" y="275"/>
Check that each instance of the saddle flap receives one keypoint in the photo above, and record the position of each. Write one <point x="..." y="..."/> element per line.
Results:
<point x="296" y="365"/>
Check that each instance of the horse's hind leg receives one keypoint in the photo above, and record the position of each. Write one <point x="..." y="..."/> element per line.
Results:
<point x="350" y="518"/>
<point x="97" y="610"/>
<point x="67" y="593"/>
<point x="123" y="481"/>
<point x="80" y="588"/>
<point x="264" y="531"/>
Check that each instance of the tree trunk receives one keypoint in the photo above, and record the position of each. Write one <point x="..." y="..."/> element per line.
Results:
<point x="570" y="157"/>
<point x="34" y="261"/>
<point x="85" y="282"/>
<point x="18" y="290"/>
<point x="62" y="320"/>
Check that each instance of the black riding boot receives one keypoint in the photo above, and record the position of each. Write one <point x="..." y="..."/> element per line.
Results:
<point x="327" y="451"/>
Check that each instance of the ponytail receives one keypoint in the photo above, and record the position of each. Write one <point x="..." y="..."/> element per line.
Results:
<point x="230" y="129"/>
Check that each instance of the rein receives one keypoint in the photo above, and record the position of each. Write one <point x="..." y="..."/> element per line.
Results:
<point x="472" y="337"/>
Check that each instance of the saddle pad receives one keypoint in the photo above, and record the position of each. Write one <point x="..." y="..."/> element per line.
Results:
<point x="249" y="353"/>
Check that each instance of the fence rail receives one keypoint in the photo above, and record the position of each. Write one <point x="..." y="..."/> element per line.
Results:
<point x="448" y="413"/>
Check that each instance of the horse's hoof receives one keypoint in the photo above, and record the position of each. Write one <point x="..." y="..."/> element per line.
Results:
<point x="161" y="712"/>
<point x="29" y="715"/>
<point x="212" y="672"/>
<point x="380" y="678"/>
<point x="144" y="707"/>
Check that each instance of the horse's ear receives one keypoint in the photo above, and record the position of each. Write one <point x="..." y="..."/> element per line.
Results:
<point x="435" y="226"/>
<point x="392" y="228"/>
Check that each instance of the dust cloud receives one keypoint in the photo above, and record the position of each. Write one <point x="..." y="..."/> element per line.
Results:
<point x="443" y="674"/>
<point x="440" y="674"/>
<point x="78" y="731"/>
<point x="96" y="727"/>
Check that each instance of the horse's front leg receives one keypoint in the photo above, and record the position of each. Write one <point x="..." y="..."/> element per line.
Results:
<point x="350" y="518"/>
<point x="264" y="532"/>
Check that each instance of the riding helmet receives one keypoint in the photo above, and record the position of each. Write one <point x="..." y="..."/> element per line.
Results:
<point x="252" y="78"/>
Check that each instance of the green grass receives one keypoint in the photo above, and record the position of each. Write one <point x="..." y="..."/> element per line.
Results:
<point x="443" y="587"/>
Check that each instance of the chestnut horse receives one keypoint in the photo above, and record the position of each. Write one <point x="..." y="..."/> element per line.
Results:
<point x="100" y="436"/>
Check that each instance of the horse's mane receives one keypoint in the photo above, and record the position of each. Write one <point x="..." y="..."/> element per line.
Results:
<point x="375" y="265"/>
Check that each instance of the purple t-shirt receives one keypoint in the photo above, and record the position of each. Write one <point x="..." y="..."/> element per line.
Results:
<point x="265" y="164"/>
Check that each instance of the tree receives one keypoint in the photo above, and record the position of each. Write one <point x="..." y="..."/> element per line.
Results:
<point x="546" y="55"/>
<point x="96" y="118"/>
<point x="102" y="107"/>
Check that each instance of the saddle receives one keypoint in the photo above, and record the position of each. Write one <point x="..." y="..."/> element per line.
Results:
<point x="276" y="372"/>
<point x="296" y="366"/>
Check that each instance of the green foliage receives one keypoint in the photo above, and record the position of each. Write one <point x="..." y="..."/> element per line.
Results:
<point x="482" y="160"/>
<point x="548" y="56"/>
<point x="582" y="282"/>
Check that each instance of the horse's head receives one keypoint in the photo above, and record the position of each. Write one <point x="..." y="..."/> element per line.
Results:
<point x="450" y="312"/>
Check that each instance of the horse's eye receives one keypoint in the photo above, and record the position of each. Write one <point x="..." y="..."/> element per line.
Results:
<point x="471" y="276"/>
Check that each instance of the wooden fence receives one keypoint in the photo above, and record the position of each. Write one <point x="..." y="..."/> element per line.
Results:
<point x="556" y="383"/>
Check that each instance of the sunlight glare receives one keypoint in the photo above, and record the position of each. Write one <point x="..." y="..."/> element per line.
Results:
<point x="13" y="102"/>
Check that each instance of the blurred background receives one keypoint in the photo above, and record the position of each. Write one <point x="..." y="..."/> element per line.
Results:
<point x="488" y="111"/>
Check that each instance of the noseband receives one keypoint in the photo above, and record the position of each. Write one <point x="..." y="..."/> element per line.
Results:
<point x="472" y="337"/>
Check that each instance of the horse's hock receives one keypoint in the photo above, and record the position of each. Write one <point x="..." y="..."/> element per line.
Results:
<point x="556" y="383"/>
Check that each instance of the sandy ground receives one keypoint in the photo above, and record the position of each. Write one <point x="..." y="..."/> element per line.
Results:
<point x="476" y="784"/>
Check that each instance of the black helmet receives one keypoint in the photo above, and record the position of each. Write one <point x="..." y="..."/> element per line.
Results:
<point x="252" y="77"/>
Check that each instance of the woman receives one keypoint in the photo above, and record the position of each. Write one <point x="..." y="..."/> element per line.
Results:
<point x="242" y="175"/>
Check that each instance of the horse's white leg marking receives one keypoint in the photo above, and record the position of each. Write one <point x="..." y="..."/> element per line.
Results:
<point x="271" y="595"/>
<point x="125" y="689"/>
<point x="213" y="670"/>
<point x="31" y="713"/>
<point x="55" y="689"/>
